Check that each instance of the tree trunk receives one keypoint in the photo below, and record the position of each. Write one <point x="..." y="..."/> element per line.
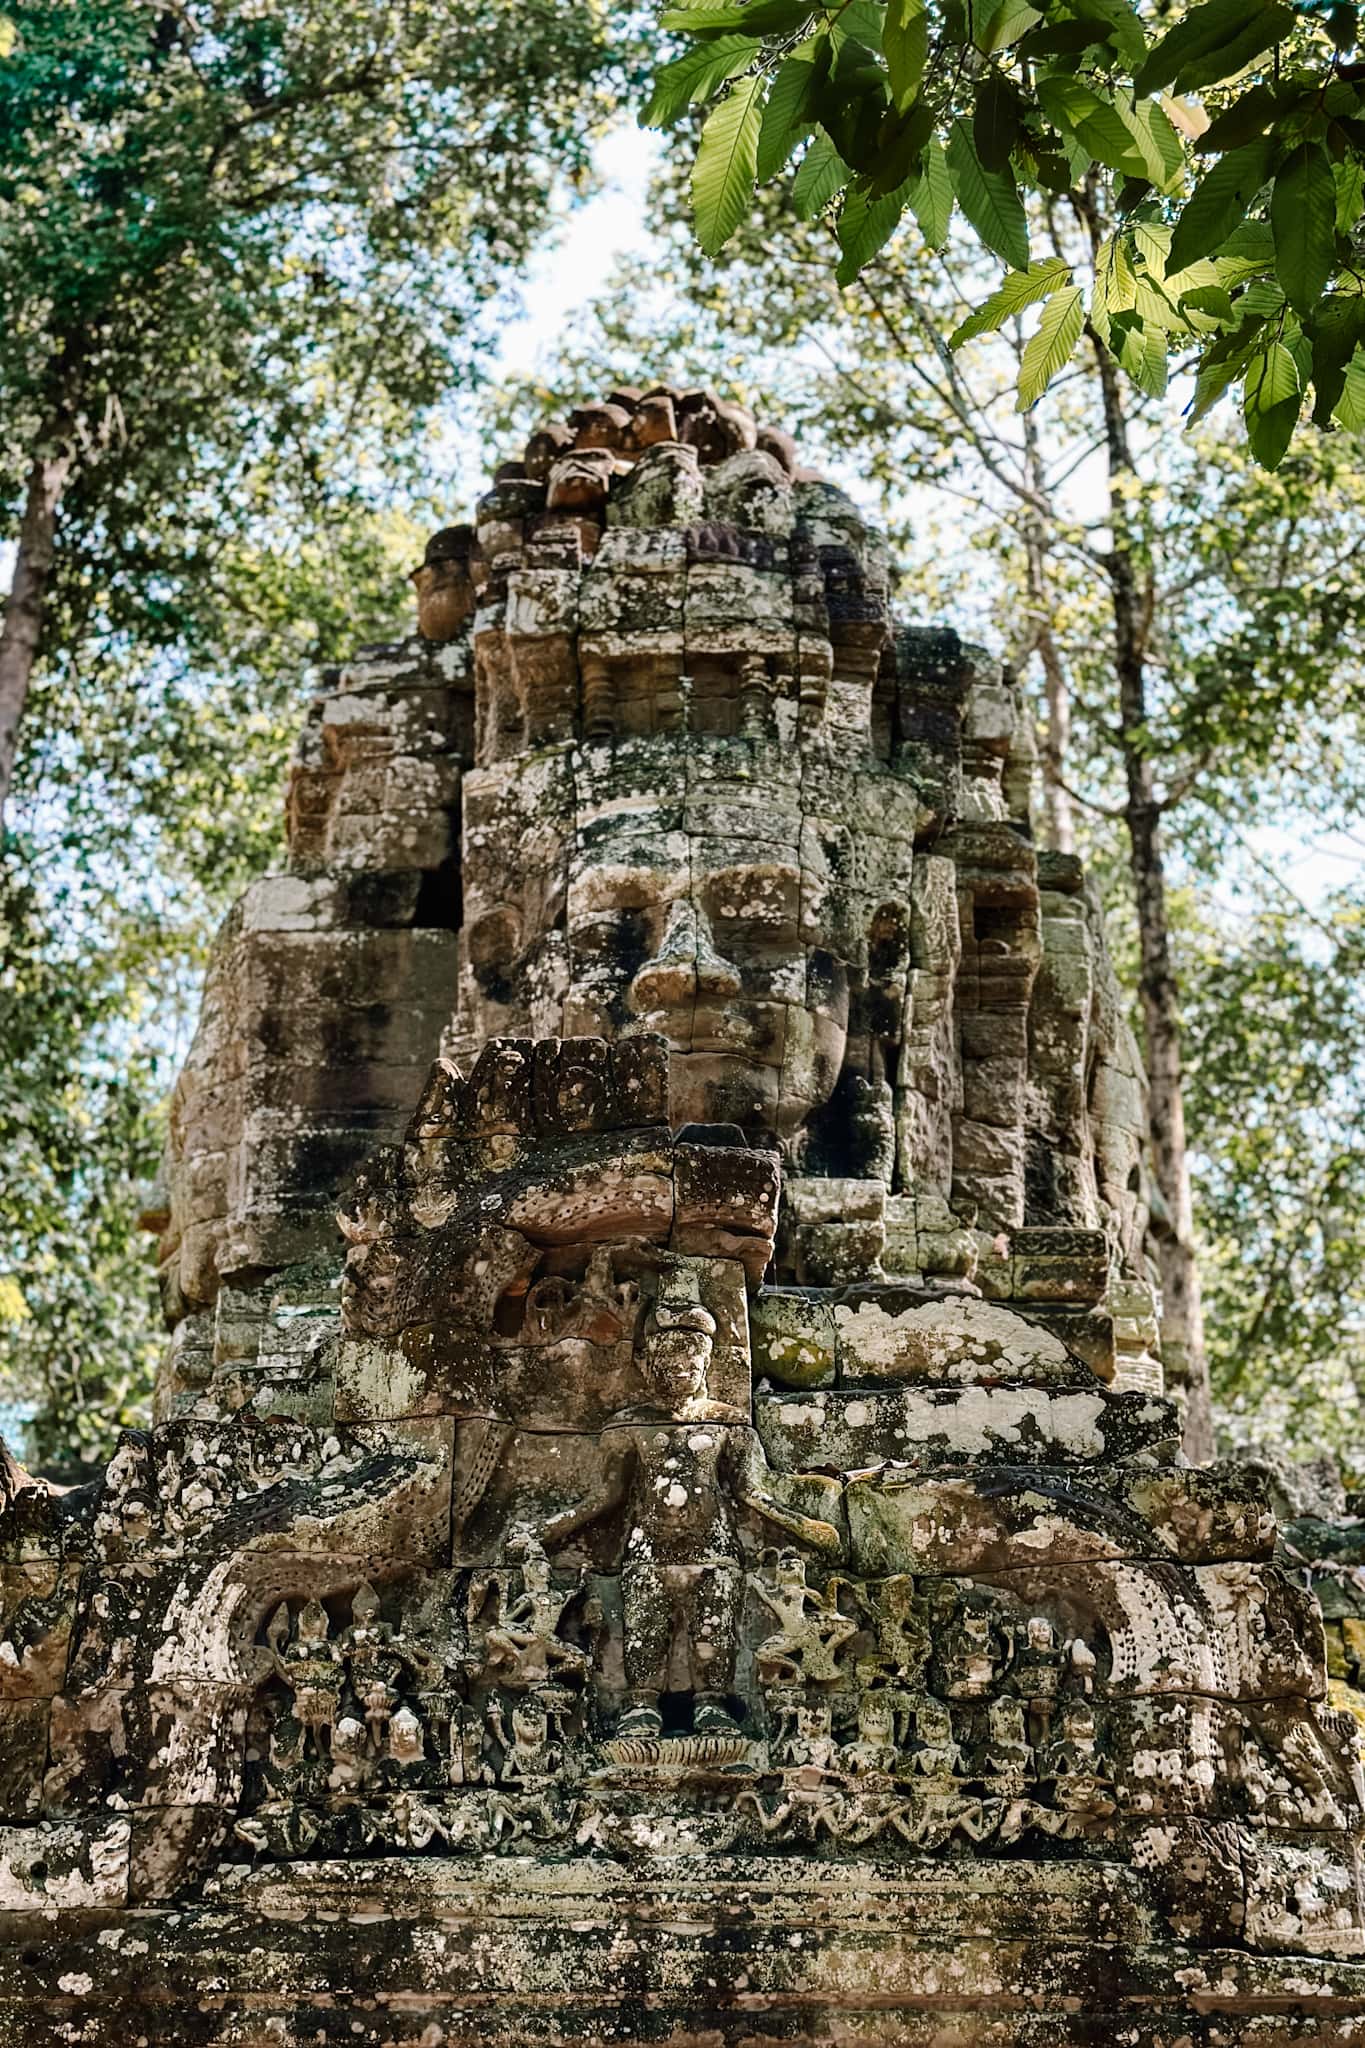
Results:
<point x="1182" y="1327"/>
<point x="26" y="605"/>
<point x="1058" y="823"/>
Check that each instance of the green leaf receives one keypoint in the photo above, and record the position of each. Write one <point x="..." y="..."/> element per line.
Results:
<point x="858" y="20"/>
<point x="1349" y="179"/>
<point x="900" y="147"/>
<point x="997" y="121"/>
<point x="1021" y="288"/>
<point x="1271" y="397"/>
<point x="789" y="113"/>
<point x="990" y="199"/>
<point x="1141" y="348"/>
<point x="727" y="160"/>
<point x="1004" y="25"/>
<point x="1158" y="144"/>
<point x="1049" y="349"/>
<point x="1349" y="411"/>
<point x="756" y="17"/>
<point x="905" y="46"/>
<point x="1245" y="119"/>
<point x="1219" y="201"/>
<point x="1096" y="122"/>
<point x="1303" y="218"/>
<point x="1213" y="27"/>
<point x="931" y="195"/>
<point x="823" y="172"/>
<point x="695" y="76"/>
<point x="866" y="224"/>
<point x="854" y="102"/>
<point x="1212" y="380"/>
<point x="1120" y="26"/>
<point x="1338" y="324"/>
<point x="1210" y="300"/>
<point x="1228" y="60"/>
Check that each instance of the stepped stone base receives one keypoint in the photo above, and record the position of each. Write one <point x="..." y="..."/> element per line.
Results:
<point x="440" y="1953"/>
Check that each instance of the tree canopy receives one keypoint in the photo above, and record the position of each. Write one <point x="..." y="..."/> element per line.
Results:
<point x="250" y="258"/>
<point x="1229" y="138"/>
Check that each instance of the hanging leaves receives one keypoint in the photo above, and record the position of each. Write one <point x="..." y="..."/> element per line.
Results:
<point x="1021" y="288"/>
<point x="1232" y="149"/>
<point x="931" y="196"/>
<point x="1303" y="217"/>
<point x="1219" y="202"/>
<point x="1050" y="347"/>
<point x="905" y="45"/>
<point x="990" y="199"/>
<point x="695" y="76"/>
<point x="727" y="163"/>
<point x="823" y="173"/>
<point x="1271" y="399"/>
<point x="789" y="114"/>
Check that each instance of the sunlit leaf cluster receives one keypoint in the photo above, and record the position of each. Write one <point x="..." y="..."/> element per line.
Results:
<point x="1228" y="139"/>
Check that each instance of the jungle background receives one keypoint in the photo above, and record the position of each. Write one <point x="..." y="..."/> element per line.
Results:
<point x="270" y="317"/>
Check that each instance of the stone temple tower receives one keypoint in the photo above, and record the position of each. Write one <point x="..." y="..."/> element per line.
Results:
<point x="660" y="1524"/>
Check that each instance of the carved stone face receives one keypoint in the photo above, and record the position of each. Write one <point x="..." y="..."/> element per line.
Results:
<point x="724" y="940"/>
<point x="678" y="1347"/>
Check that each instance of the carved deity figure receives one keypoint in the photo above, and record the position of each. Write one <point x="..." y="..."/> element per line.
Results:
<point x="680" y="1465"/>
<point x="312" y="1669"/>
<point x="1082" y="1789"/>
<point x="883" y="1718"/>
<point x="970" y="1655"/>
<point x="903" y="1640"/>
<point x="374" y="1661"/>
<point x="1036" y="1675"/>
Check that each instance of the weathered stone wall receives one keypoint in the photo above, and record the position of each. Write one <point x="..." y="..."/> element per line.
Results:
<point x="716" y="1565"/>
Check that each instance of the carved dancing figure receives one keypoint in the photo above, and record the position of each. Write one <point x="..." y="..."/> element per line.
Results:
<point x="811" y="1628"/>
<point x="524" y="1647"/>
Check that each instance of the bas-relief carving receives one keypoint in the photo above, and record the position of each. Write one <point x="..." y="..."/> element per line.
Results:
<point x="708" y="1462"/>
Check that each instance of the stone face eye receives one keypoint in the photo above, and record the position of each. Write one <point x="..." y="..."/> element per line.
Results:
<point x="759" y="901"/>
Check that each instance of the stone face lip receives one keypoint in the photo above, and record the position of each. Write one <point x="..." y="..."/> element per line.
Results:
<point x="661" y="1522"/>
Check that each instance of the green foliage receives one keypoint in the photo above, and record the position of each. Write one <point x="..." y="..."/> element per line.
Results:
<point x="1071" y="102"/>
<point x="1050" y="346"/>
<point x="727" y="163"/>
<point x="1275" y="1014"/>
<point x="78" y="1335"/>
<point x="247" y="256"/>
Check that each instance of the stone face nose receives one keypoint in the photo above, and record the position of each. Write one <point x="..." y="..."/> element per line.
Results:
<point x="687" y="965"/>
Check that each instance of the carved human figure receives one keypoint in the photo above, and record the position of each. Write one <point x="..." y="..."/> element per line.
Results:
<point x="937" y="1762"/>
<point x="903" y="1640"/>
<point x="532" y="1751"/>
<point x="882" y="1721"/>
<point x="970" y="1655"/>
<point x="680" y="1465"/>
<point x="523" y="1648"/>
<point x="349" y="1755"/>
<point x="406" y="1743"/>
<point x="811" y="1629"/>
<point x="374" y="1662"/>
<point x="1082" y="1790"/>
<point x="311" y="1667"/>
<point x="1036" y="1675"/>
